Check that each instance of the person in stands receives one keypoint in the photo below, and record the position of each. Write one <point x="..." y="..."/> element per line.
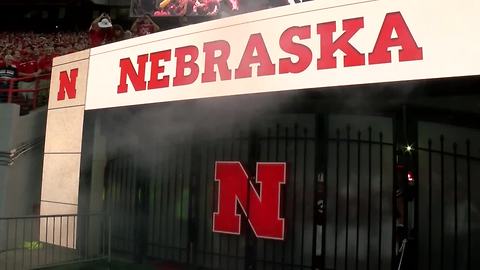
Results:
<point x="28" y="68"/>
<point x="143" y="26"/>
<point x="101" y="31"/>
<point x="8" y="72"/>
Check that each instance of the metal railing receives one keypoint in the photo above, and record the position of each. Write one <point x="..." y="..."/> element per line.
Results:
<point x="7" y="158"/>
<point x="28" y="92"/>
<point x="34" y="242"/>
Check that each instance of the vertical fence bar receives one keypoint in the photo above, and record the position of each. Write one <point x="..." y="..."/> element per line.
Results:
<point x="336" y="197"/>
<point x="53" y="241"/>
<point x="75" y="234"/>
<point x="455" y="183"/>
<point x="442" y="195"/>
<point x="22" y="245"/>
<point x="469" y="210"/>
<point x="68" y="231"/>
<point x="429" y="204"/>
<point x="61" y="235"/>
<point x="380" y="219"/>
<point x="294" y="171"/>
<point x="305" y="141"/>
<point x="358" y="198"/>
<point x="31" y="242"/>
<point x="347" y="212"/>
<point x="40" y="246"/>
<point x="369" y="194"/>
<point x="15" y="246"/>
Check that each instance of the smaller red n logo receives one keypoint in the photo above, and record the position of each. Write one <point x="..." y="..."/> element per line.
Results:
<point x="68" y="84"/>
<point x="262" y="210"/>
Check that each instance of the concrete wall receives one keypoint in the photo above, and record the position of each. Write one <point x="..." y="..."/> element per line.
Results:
<point x="20" y="182"/>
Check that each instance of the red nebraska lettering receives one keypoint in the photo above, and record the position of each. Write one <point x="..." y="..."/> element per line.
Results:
<point x="182" y="64"/>
<point x="409" y="50"/>
<point x="67" y="84"/>
<point x="157" y="69"/>
<point x="137" y="78"/>
<point x="265" y="67"/>
<point x="296" y="56"/>
<point x="210" y="48"/>
<point x="352" y="56"/>
<point x="304" y="54"/>
<point x="234" y="189"/>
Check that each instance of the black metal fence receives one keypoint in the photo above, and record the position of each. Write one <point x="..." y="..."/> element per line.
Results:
<point x="359" y="183"/>
<point x="39" y="241"/>
<point x="339" y="202"/>
<point x="448" y="221"/>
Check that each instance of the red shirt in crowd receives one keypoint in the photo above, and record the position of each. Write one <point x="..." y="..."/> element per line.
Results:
<point x="100" y="36"/>
<point x="28" y="67"/>
<point x="45" y="62"/>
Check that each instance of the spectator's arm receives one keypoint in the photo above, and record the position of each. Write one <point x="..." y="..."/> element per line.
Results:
<point x="184" y="7"/>
<point x="34" y="74"/>
<point x="94" y="24"/>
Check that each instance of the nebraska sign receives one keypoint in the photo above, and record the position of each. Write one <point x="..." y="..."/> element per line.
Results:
<point x="262" y="208"/>
<point x="313" y="45"/>
<point x="256" y="55"/>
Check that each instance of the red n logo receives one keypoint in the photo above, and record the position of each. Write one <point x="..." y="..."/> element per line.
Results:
<point x="262" y="210"/>
<point x="67" y="84"/>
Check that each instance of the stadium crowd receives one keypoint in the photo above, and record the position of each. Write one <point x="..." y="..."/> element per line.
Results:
<point x="160" y="8"/>
<point x="31" y="54"/>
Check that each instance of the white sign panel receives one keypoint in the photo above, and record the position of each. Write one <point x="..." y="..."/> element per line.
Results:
<point x="314" y="45"/>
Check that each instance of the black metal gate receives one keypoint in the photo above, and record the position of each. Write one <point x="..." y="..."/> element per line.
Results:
<point x="448" y="218"/>
<point x="359" y="184"/>
<point x="163" y="210"/>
